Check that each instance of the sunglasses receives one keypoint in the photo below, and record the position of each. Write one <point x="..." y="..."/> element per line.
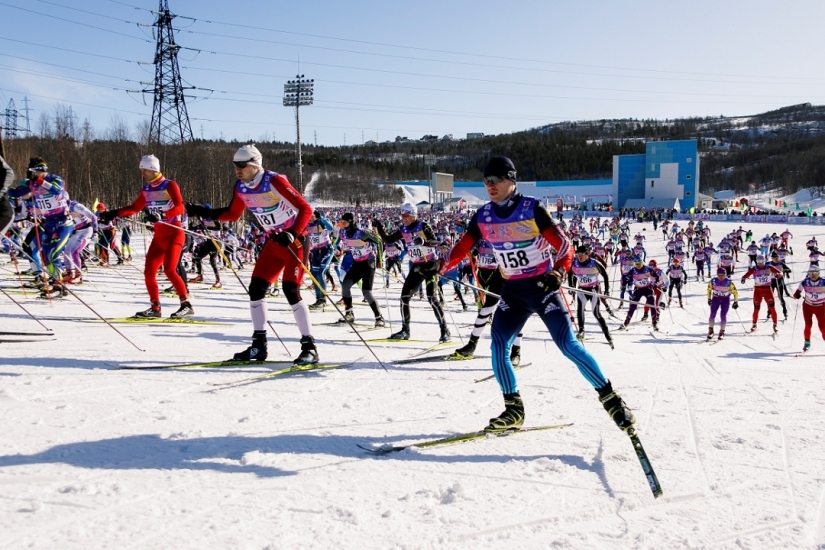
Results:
<point x="492" y="180"/>
<point x="241" y="163"/>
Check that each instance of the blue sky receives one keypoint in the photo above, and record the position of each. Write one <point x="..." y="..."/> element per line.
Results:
<point x="385" y="68"/>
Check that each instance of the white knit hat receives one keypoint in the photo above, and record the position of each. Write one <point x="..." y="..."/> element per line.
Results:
<point x="249" y="153"/>
<point x="150" y="162"/>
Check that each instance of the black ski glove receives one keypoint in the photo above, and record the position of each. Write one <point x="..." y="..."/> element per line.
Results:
<point x="552" y="281"/>
<point x="107" y="216"/>
<point x="735" y="305"/>
<point x="199" y="211"/>
<point x="283" y="238"/>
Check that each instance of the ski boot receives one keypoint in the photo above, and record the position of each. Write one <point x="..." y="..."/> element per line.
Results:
<point x="775" y="328"/>
<point x="467" y="351"/>
<point x="710" y="334"/>
<point x="185" y="310"/>
<point x="610" y="343"/>
<point x="655" y="326"/>
<point x="379" y="322"/>
<point x="623" y="326"/>
<point x="445" y="335"/>
<point x="196" y="279"/>
<point x="217" y="285"/>
<point x="152" y="313"/>
<point x="275" y="292"/>
<point x="255" y="352"/>
<point x="318" y="305"/>
<point x="515" y="355"/>
<point x="309" y="354"/>
<point x="806" y="346"/>
<point x="513" y="416"/>
<point x="753" y="328"/>
<point x="53" y="290"/>
<point x="340" y="302"/>
<point x="721" y="334"/>
<point x="644" y="317"/>
<point x="616" y="407"/>
<point x="681" y="305"/>
<point x="403" y="334"/>
<point x="348" y="318"/>
<point x="580" y="336"/>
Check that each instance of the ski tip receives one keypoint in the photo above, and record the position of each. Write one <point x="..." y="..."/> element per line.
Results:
<point x="378" y="450"/>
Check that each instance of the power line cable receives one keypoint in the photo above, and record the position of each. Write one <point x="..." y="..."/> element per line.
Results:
<point x="469" y="54"/>
<point x="258" y="39"/>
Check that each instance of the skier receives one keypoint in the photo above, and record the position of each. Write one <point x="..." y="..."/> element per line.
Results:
<point x="321" y="236"/>
<point x="365" y="249"/>
<point x="587" y="271"/>
<point x="813" y="287"/>
<point x="762" y="276"/>
<point x="720" y="289"/>
<point x="54" y="225"/>
<point x="283" y="214"/>
<point x="677" y="275"/>
<point x="422" y="249"/>
<point x="644" y="279"/>
<point x="85" y="225"/>
<point x="211" y="230"/>
<point x="163" y="199"/>
<point x="522" y="235"/>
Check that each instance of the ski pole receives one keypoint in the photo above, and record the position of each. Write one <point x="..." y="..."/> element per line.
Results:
<point x="565" y="287"/>
<point x="795" y="315"/>
<point x="230" y="268"/>
<point x="24" y="309"/>
<point x="387" y="298"/>
<point x="101" y="317"/>
<point x="324" y="292"/>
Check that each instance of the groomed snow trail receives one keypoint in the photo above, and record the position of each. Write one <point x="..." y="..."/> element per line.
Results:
<point x="93" y="456"/>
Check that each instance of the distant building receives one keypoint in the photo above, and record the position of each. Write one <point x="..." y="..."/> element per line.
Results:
<point x="668" y="170"/>
<point x="447" y="137"/>
<point x="475" y="135"/>
<point x="429" y="137"/>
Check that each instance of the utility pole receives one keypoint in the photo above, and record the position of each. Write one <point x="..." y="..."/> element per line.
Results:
<point x="296" y="93"/>
<point x="26" y="110"/>
<point x="11" y="120"/>
<point x="316" y="137"/>
<point x="170" y="119"/>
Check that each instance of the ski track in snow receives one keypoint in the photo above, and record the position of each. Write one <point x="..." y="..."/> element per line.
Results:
<point x="94" y="456"/>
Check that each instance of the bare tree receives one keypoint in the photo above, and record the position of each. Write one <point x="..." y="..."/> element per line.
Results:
<point x="118" y="129"/>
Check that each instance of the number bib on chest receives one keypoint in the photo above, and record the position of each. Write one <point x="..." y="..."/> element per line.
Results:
<point x="520" y="249"/>
<point x="273" y="212"/>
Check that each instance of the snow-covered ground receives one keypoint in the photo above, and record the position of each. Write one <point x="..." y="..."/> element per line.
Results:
<point x="805" y="198"/>
<point x="92" y="456"/>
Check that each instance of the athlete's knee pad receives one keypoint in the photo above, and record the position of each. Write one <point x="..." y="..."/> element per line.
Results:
<point x="257" y="289"/>
<point x="292" y="292"/>
<point x="757" y="307"/>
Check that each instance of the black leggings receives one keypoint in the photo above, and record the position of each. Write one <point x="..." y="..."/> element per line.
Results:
<point x="415" y="278"/>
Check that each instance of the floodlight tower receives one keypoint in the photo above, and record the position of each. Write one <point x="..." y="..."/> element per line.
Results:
<point x="296" y="93"/>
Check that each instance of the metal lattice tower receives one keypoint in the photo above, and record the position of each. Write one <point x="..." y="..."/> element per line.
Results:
<point x="296" y="93"/>
<point x="10" y="128"/>
<point x="170" y="120"/>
